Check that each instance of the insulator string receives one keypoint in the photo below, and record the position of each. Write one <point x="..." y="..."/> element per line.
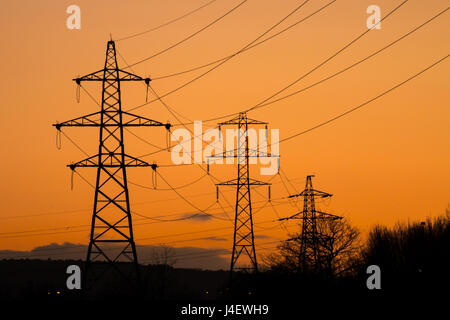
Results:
<point x="168" y="140"/>
<point x="78" y="93"/>
<point x="58" y="139"/>
<point x="154" y="177"/>
<point x="71" y="180"/>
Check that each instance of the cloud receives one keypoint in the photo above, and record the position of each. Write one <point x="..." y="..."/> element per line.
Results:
<point x="215" y="239"/>
<point x="199" y="216"/>
<point x="184" y="257"/>
<point x="262" y="236"/>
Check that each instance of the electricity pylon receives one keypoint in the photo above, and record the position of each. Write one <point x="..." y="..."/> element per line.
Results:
<point x="310" y="259"/>
<point x="111" y="236"/>
<point x="243" y="238"/>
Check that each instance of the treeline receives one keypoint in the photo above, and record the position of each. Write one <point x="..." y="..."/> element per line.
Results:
<point x="414" y="255"/>
<point x="413" y="259"/>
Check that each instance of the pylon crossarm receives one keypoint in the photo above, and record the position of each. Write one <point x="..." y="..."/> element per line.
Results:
<point x="235" y="182"/>
<point x="135" y="162"/>
<point x="225" y="154"/>
<point x="312" y="192"/>
<point x="127" y="76"/>
<point x="324" y="215"/>
<point x="295" y="216"/>
<point x="88" y="162"/>
<point x="119" y="75"/>
<point x="132" y="120"/>
<point x="259" y="154"/>
<point x="254" y="182"/>
<point x="110" y="160"/>
<point x="129" y="120"/>
<point x="94" y="76"/>
<point x="232" y="182"/>
<point x="90" y="120"/>
<point x="252" y="153"/>
<point x="242" y="117"/>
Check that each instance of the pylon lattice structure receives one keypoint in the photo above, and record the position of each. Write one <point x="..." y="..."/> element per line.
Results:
<point x="243" y="237"/>
<point x="111" y="236"/>
<point x="310" y="258"/>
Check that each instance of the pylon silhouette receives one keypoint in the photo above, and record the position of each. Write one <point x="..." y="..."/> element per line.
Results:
<point x="310" y="259"/>
<point x="243" y="237"/>
<point x="111" y="238"/>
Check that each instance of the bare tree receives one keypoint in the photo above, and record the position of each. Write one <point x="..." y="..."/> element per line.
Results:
<point x="163" y="258"/>
<point x="163" y="255"/>
<point x="338" y="249"/>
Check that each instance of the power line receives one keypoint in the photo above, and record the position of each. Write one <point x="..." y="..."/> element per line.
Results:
<point x="186" y="200"/>
<point x="367" y="102"/>
<point x="364" y="103"/>
<point x="354" y="64"/>
<point x="172" y="188"/>
<point x="167" y="23"/>
<point x="188" y="37"/>
<point x="192" y="216"/>
<point x="327" y="78"/>
<point x="250" y="47"/>
<point x="156" y="237"/>
<point x="266" y="102"/>
<point x="156" y="219"/>
<point x="329" y="58"/>
<point x="224" y="61"/>
<point x="292" y="83"/>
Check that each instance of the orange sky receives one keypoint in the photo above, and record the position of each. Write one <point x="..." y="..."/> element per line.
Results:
<point x="384" y="163"/>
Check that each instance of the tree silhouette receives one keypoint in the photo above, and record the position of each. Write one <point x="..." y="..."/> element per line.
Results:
<point x="338" y="248"/>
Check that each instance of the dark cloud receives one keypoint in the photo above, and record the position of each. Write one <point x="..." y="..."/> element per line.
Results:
<point x="197" y="216"/>
<point x="183" y="257"/>
<point x="262" y="236"/>
<point x="215" y="239"/>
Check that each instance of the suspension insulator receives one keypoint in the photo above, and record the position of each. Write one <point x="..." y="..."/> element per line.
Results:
<point x="58" y="138"/>
<point x="168" y="140"/>
<point x="77" y="94"/>
<point x="154" y="181"/>
<point x="71" y="180"/>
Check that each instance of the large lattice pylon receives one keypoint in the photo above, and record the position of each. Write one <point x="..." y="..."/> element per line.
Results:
<point x="310" y="258"/>
<point x="243" y="237"/>
<point x="111" y="238"/>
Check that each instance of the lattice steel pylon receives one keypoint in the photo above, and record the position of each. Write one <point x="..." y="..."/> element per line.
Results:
<point x="310" y="238"/>
<point x="243" y="237"/>
<point x="111" y="237"/>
